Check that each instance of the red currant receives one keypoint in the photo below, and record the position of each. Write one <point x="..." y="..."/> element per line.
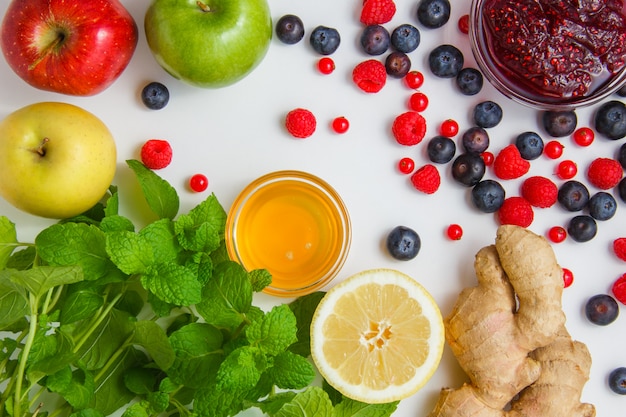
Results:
<point x="488" y="157"/>
<point x="566" y="169"/>
<point x="557" y="234"/>
<point x="341" y="124"/>
<point x="449" y="128"/>
<point x="406" y="165"/>
<point x="418" y="102"/>
<point x="326" y="65"/>
<point x="553" y="149"/>
<point x="584" y="136"/>
<point x="464" y="24"/>
<point x="414" y="79"/>
<point x="198" y="183"/>
<point x="455" y="232"/>
<point x="568" y="277"/>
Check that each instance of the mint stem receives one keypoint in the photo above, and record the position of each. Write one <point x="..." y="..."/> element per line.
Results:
<point x="33" y="301"/>
<point x="100" y="318"/>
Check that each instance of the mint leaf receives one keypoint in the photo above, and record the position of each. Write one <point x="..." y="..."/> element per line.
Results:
<point x="312" y="402"/>
<point x="150" y="336"/>
<point x="227" y="296"/>
<point x="87" y="412"/>
<point x="159" y="194"/>
<point x="303" y="308"/>
<point x="260" y="278"/>
<point x="140" y="380"/>
<point x="8" y="239"/>
<point x="71" y="244"/>
<point x="291" y="371"/>
<point x="198" y="349"/>
<point x="241" y="369"/>
<point x="274" y="332"/>
<point x="275" y="402"/>
<point x="352" y="408"/>
<point x="213" y="402"/>
<point x="161" y="236"/>
<point x="77" y="387"/>
<point x="173" y="284"/>
<point x="80" y="305"/>
<point x="112" y="206"/>
<point x="137" y="410"/>
<point x="116" y="223"/>
<point x="22" y="259"/>
<point x="43" y="278"/>
<point x="13" y="301"/>
<point x="198" y="237"/>
<point x="129" y="251"/>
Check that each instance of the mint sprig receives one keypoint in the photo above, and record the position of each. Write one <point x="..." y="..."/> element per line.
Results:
<point x="156" y="320"/>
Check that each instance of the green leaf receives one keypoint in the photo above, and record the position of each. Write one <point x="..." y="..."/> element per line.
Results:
<point x="202" y="229"/>
<point x="150" y="336"/>
<point x="116" y="223"/>
<point x="159" y="194"/>
<point x="80" y="305"/>
<point x="13" y="301"/>
<point x="87" y="412"/>
<point x="291" y="371"/>
<point x="131" y="302"/>
<point x="274" y="332"/>
<point x="129" y="251"/>
<point x="273" y="403"/>
<point x="352" y="408"/>
<point x="198" y="348"/>
<point x="112" y="206"/>
<point x="70" y="244"/>
<point x="159" y="401"/>
<point x="303" y="308"/>
<point x="260" y="278"/>
<point x="8" y="240"/>
<point x="241" y="370"/>
<point x="227" y="296"/>
<point x="76" y="387"/>
<point x="41" y="279"/>
<point x="312" y="402"/>
<point x="173" y="284"/>
<point x="22" y="259"/>
<point x="137" y="410"/>
<point x="161" y="236"/>
<point x="140" y="380"/>
<point x="213" y="402"/>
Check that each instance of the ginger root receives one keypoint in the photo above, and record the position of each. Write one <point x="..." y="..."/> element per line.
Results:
<point x="508" y="335"/>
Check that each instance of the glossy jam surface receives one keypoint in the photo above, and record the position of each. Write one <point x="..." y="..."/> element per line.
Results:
<point x="294" y="229"/>
<point x="558" y="48"/>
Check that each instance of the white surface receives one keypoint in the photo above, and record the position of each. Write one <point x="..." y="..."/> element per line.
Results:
<point x="235" y="134"/>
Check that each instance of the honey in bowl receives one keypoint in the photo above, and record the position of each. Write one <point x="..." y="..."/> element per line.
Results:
<point x="294" y="225"/>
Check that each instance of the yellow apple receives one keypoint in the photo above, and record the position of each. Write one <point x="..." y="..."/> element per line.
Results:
<point x="57" y="160"/>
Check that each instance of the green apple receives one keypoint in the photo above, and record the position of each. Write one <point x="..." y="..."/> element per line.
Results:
<point x="57" y="160"/>
<point x="208" y="43"/>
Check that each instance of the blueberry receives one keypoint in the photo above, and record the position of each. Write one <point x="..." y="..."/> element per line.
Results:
<point x="621" y="189"/>
<point x="601" y="309"/>
<point x="468" y="169"/>
<point x="617" y="380"/>
<point x="488" y="196"/>
<point x="397" y="64"/>
<point x="475" y="140"/>
<point x="602" y="206"/>
<point x="433" y="13"/>
<point x="325" y="40"/>
<point x="582" y="228"/>
<point x="622" y="91"/>
<point x="155" y="95"/>
<point x="289" y="29"/>
<point x="621" y="156"/>
<point x="441" y="149"/>
<point x="487" y="114"/>
<point x="610" y="119"/>
<point x="445" y="61"/>
<point x="573" y="195"/>
<point x="530" y="145"/>
<point x="405" y="38"/>
<point x="375" y="40"/>
<point x="559" y="123"/>
<point x="403" y="243"/>
<point x="469" y="81"/>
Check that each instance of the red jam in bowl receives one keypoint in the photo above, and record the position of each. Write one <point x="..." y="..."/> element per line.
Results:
<point x="555" y="49"/>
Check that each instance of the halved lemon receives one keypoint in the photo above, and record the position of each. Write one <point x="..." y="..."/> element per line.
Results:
<point x="377" y="337"/>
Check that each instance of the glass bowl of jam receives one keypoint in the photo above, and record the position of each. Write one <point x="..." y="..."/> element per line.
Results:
<point x="292" y="224"/>
<point x="551" y="54"/>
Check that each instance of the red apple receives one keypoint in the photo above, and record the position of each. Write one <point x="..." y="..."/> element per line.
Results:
<point x="73" y="47"/>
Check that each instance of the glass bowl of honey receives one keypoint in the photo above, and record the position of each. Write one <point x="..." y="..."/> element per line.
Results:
<point x="550" y="55"/>
<point x="293" y="224"/>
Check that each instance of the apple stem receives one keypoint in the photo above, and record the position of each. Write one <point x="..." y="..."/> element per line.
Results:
<point x="41" y="150"/>
<point x="203" y="6"/>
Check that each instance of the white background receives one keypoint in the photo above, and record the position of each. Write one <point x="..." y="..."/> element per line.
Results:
<point x="236" y="134"/>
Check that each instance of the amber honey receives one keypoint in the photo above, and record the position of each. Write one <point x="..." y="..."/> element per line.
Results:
<point x="292" y="224"/>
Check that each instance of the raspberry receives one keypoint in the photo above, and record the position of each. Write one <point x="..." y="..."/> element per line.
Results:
<point x="619" y="248"/>
<point x="156" y="153"/>
<point x="409" y="128"/>
<point x="517" y="211"/>
<point x="509" y="163"/>
<point x="426" y="179"/>
<point x="300" y="123"/>
<point x="540" y="191"/>
<point x="377" y="12"/>
<point x="619" y="289"/>
<point x="604" y="173"/>
<point x="370" y="76"/>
